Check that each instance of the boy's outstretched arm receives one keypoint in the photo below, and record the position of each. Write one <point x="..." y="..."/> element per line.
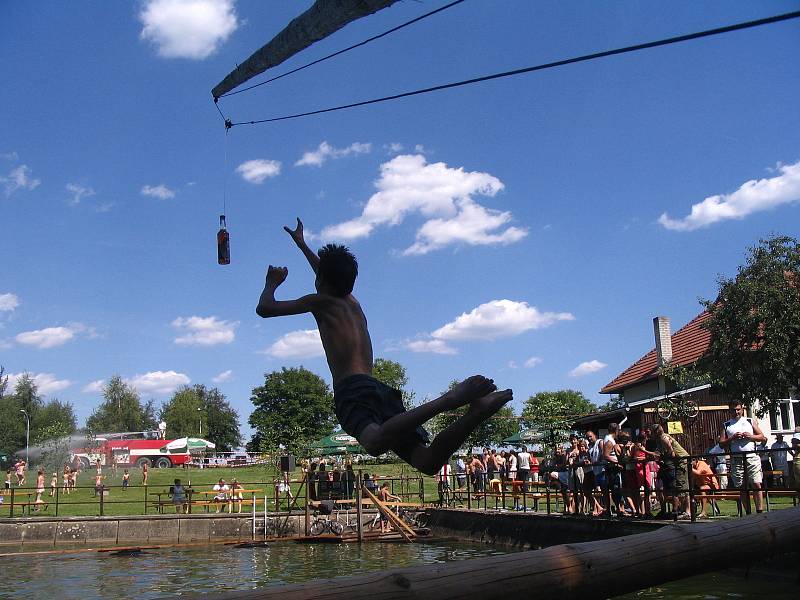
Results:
<point x="269" y="307"/>
<point x="297" y="236"/>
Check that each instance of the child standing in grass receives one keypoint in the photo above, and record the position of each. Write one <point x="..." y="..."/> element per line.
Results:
<point x="65" y="478"/>
<point x="39" y="486"/>
<point x="126" y="480"/>
<point x="53" y="484"/>
<point x="8" y="479"/>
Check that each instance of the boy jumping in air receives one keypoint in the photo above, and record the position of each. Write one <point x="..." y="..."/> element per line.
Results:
<point x="367" y="409"/>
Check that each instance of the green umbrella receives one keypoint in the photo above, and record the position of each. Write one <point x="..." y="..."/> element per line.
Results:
<point x="523" y="437"/>
<point x="337" y="443"/>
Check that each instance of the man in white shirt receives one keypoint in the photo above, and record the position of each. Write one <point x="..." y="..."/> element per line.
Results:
<point x="524" y="467"/>
<point x="740" y="435"/>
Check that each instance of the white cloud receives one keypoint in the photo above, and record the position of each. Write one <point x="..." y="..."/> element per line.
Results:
<point x="304" y="343"/>
<point x="257" y="170"/>
<point x="532" y="362"/>
<point x="158" y="382"/>
<point x="752" y="196"/>
<point x="204" y="331"/>
<point x="586" y="368"/>
<point x="161" y="192"/>
<point x="78" y="193"/>
<point x="498" y="319"/>
<point x="8" y="302"/>
<point x="188" y="28"/>
<point x="95" y="387"/>
<point x="49" y="337"/>
<point x="222" y="377"/>
<point x="439" y="193"/>
<point x="472" y="225"/>
<point x="324" y="151"/>
<point x="393" y="148"/>
<point x="9" y="156"/>
<point x="46" y="383"/>
<point x="434" y="346"/>
<point x="19" y="179"/>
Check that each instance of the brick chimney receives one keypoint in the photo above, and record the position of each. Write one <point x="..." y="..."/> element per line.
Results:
<point x="663" y="340"/>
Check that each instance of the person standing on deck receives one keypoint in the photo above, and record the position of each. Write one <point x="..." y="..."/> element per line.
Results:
<point x="740" y="435"/>
<point x="524" y="467"/>
<point x="780" y="457"/>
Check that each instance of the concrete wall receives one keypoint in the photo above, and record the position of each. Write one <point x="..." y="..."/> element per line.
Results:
<point x="40" y="532"/>
<point x="528" y="530"/>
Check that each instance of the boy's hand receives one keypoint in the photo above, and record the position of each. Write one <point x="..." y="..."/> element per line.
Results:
<point x="297" y="233"/>
<point x="276" y="275"/>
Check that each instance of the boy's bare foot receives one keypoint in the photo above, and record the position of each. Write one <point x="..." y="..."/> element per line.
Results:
<point x="489" y="404"/>
<point x="468" y="391"/>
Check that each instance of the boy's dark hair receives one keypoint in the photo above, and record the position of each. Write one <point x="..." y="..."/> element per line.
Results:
<point x="338" y="267"/>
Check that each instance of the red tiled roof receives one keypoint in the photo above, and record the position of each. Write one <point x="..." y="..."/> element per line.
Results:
<point x="689" y="343"/>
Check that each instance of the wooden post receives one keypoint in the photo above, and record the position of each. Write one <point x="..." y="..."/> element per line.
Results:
<point x="308" y="505"/>
<point x="359" y="509"/>
<point x="469" y="492"/>
<point x="145" y="499"/>
<point x="57" y="488"/>
<point x="265" y="516"/>
<point x="11" y="506"/>
<point x="254" y="516"/>
<point x="597" y="569"/>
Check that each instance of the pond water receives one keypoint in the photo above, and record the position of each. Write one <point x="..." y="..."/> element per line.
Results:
<point x="157" y="573"/>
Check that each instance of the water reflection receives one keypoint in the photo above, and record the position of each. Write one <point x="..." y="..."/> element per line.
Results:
<point x="88" y="576"/>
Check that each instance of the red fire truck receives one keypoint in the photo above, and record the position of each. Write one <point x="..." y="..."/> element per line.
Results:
<point x="131" y="449"/>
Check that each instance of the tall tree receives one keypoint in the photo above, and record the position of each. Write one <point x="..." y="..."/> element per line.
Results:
<point x="121" y="410"/>
<point x="552" y="413"/>
<point x="755" y="326"/>
<point x="394" y="375"/>
<point x="490" y="432"/>
<point x="293" y="408"/>
<point x="194" y="407"/>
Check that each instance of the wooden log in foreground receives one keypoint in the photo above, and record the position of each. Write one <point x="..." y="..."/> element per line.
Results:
<point x="601" y="568"/>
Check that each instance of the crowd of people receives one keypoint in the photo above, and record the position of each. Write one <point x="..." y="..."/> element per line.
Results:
<point x="648" y="474"/>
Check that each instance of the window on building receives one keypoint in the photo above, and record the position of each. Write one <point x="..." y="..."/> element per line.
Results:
<point x="786" y="416"/>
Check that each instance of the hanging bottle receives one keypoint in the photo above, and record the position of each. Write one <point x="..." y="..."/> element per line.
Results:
<point x="223" y="243"/>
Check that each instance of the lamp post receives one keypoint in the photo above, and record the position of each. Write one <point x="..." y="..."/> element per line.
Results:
<point x="27" y="433"/>
<point x="200" y="421"/>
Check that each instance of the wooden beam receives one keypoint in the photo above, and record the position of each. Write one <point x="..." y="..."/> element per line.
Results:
<point x="401" y="526"/>
<point x="318" y="22"/>
<point x="596" y="569"/>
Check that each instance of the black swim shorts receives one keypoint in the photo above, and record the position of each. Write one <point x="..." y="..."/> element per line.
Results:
<point x="361" y="400"/>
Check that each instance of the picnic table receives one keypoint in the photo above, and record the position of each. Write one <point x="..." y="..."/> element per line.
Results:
<point x="25" y="503"/>
<point x="229" y="500"/>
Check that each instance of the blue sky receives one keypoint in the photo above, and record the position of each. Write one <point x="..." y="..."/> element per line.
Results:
<point x="527" y="228"/>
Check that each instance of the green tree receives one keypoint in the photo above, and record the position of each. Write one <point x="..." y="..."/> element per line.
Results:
<point x="490" y="432"/>
<point x="394" y="375"/>
<point x="552" y="413"/>
<point x="755" y="326"/>
<point x="48" y="420"/>
<point x="293" y="408"/>
<point x="55" y="419"/>
<point x="194" y="406"/>
<point x="121" y="410"/>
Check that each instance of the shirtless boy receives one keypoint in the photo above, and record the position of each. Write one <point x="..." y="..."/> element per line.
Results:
<point x="367" y="409"/>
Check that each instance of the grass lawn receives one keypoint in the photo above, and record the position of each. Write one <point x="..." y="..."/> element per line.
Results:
<point x="83" y="501"/>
